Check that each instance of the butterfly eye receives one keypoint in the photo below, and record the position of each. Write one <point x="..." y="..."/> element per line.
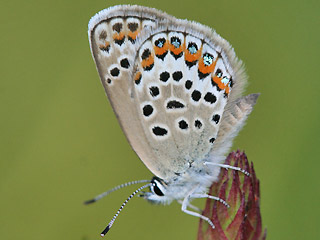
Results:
<point x="157" y="187"/>
<point x="157" y="191"/>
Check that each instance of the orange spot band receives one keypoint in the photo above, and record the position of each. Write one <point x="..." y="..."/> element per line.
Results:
<point x="137" y="76"/>
<point x="162" y="50"/>
<point x="105" y="45"/>
<point x="207" y="69"/>
<point x="192" y="57"/>
<point x="177" y="51"/>
<point x="133" y="35"/>
<point x="220" y="84"/>
<point x="118" y="36"/>
<point x="147" y="62"/>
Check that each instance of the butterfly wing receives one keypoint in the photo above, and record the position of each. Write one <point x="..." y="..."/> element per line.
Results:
<point x="112" y="35"/>
<point x="169" y="84"/>
<point x="187" y="74"/>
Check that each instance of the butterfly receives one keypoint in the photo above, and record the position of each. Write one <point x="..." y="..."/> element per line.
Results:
<point x="175" y="87"/>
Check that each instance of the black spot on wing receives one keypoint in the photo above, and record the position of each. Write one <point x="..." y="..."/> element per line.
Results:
<point x="198" y="124"/>
<point x="149" y="67"/>
<point x="174" y="104"/>
<point x="219" y="73"/>
<point x="231" y="82"/>
<point x="160" y="42"/>
<point x="146" y="53"/>
<point x="103" y="35"/>
<point x="147" y="110"/>
<point x="154" y="91"/>
<point x="164" y="76"/>
<point x="216" y="118"/>
<point x="125" y="63"/>
<point x="183" y="125"/>
<point x="159" y="131"/>
<point x="176" y="56"/>
<point x="105" y="48"/>
<point x="196" y="95"/>
<point x="133" y="26"/>
<point x="177" y="76"/>
<point x="119" y="41"/>
<point x="188" y="84"/>
<point x="190" y="64"/>
<point x="175" y="41"/>
<point x="115" y="72"/>
<point x="117" y="27"/>
<point x="137" y="80"/>
<point x="202" y="75"/>
<point x="215" y="85"/>
<point x="210" y="98"/>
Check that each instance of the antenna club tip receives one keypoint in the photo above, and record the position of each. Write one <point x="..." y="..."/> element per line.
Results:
<point x="89" y="202"/>
<point x="104" y="232"/>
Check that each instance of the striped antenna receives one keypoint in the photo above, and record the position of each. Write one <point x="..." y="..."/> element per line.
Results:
<point x="104" y="232"/>
<point x="114" y="189"/>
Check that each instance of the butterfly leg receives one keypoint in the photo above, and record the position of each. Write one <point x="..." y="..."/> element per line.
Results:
<point x="198" y="195"/>
<point x="185" y="204"/>
<point x="228" y="167"/>
<point x="190" y="206"/>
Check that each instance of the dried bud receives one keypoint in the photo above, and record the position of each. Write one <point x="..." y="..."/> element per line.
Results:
<point x="242" y="220"/>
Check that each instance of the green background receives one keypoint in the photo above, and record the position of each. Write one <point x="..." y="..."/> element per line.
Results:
<point x="61" y="144"/>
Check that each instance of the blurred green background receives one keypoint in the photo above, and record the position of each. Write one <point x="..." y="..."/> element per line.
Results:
<point x="61" y="144"/>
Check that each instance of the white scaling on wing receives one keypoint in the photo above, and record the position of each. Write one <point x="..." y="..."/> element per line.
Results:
<point x="117" y="26"/>
<point x="195" y="110"/>
<point x="133" y="28"/>
<point x="107" y="53"/>
<point x="103" y="40"/>
<point x="148" y="23"/>
<point x="177" y="78"/>
<point x="176" y="41"/>
<point x="193" y="48"/>
<point x="210" y="93"/>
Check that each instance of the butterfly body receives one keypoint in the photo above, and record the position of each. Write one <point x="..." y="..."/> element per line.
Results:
<point x="196" y="180"/>
<point x="175" y="87"/>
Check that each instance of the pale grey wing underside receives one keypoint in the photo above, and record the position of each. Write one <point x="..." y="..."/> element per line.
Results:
<point x="146" y="72"/>
<point x="112" y="35"/>
<point x="233" y="120"/>
<point x="186" y="75"/>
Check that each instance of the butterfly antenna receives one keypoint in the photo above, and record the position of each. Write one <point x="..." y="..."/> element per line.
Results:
<point x="114" y="189"/>
<point x="104" y="232"/>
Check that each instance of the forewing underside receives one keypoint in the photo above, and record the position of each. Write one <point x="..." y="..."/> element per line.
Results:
<point x="112" y="34"/>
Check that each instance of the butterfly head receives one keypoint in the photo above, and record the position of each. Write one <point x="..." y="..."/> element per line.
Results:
<point x="158" y="192"/>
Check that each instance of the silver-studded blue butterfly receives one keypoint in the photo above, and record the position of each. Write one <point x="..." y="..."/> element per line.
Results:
<point x="175" y="87"/>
